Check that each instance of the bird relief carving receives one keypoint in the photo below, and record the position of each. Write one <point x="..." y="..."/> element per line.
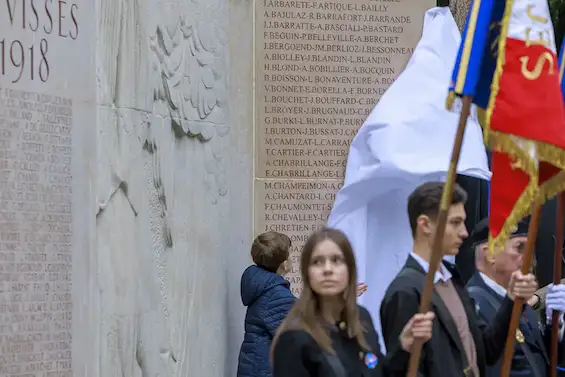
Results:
<point x="188" y="79"/>
<point x="189" y="91"/>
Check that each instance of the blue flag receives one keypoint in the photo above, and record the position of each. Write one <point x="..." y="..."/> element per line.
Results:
<point x="508" y="108"/>
<point x="477" y="57"/>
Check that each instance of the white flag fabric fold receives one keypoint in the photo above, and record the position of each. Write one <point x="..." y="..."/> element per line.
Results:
<point x="406" y="140"/>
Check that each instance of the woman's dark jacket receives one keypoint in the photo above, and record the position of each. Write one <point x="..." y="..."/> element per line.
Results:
<point x="296" y="354"/>
<point x="268" y="299"/>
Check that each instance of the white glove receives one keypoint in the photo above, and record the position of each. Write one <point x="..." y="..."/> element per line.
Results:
<point x="555" y="301"/>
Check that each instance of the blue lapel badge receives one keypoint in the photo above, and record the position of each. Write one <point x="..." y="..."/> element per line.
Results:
<point x="371" y="360"/>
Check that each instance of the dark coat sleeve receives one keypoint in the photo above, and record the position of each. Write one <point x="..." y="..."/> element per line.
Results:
<point x="560" y="349"/>
<point x="276" y="308"/>
<point x="289" y="355"/>
<point x="486" y="313"/>
<point x="495" y="331"/>
<point x="396" y="310"/>
<point x="393" y="364"/>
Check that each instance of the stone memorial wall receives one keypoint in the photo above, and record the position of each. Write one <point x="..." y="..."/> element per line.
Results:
<point x="320" y="68"/>
<point x="46" y="115"/>
<point x="143" y="143"/>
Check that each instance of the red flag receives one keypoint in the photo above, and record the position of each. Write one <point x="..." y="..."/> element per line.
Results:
<point x="509" y="188"/>
<point x="525" y="117"/>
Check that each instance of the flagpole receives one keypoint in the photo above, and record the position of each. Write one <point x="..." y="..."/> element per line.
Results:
<point x="519" y="302"/>
<point x="436" y="256"/>
<point x="558" y="250"/>
<point x="557" y="271"/>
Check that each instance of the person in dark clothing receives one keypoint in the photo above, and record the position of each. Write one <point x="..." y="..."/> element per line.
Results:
<point x="476" y="208"/>
<point x="461" y="344"/>
<point x="486" y="287"/>
<point x="538" y="302"/>
<point x="327" y="334"/>
<point x="267" y="296"/>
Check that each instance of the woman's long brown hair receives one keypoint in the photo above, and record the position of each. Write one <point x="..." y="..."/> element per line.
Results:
<point x="305" y="315"/>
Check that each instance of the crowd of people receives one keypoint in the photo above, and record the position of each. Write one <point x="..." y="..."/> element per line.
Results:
<point x="325" y="333"/>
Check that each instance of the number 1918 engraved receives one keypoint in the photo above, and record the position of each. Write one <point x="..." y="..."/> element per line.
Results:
<point x="17" y="61"/>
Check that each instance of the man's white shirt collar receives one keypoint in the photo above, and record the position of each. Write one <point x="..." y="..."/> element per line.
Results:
<point x="499" y="289"/>
<point x="442" y="275"/>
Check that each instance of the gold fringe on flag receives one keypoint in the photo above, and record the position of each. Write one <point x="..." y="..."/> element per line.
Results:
<point x="520" y="155"/>
<point x="500" y="142"/>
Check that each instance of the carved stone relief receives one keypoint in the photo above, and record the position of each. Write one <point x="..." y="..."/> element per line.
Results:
<point x="161" y="196"/>
<point x="189" y="79"/>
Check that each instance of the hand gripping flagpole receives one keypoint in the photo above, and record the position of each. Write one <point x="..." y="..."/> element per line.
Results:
<point x="436" y="256"/>
<point x="519" y="302"/>
<point x="557" y="267"/>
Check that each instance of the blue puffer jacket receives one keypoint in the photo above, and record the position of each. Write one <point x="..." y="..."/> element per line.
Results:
<point x="268" y="299"/>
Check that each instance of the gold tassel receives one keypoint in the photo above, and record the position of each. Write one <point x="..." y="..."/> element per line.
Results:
<point x="449" y="101"/>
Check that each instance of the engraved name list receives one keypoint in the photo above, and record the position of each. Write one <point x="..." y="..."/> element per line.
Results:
<point x="321" y="66"/>
<point x="35" y="190"/>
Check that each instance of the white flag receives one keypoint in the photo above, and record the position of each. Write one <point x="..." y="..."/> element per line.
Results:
<point x="406" y="140"/>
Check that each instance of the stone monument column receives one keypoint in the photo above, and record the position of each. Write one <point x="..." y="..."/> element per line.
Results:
<point x="137" y="137"/>
<point x="48" y="271"/>
<point x="120" y="183"/>
<point x="320" y="68"/>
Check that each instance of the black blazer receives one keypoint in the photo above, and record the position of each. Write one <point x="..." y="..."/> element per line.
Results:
<point x="443" y="355"/>
<point x="537" y="341"/>
<point x="296" y="354"/>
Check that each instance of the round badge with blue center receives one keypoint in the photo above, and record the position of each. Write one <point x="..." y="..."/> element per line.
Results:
<point x="371" y="360"/>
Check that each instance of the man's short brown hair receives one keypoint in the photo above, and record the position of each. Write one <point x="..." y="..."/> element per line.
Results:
<point x="270" y="250"/>
<point x="426" y="199"/>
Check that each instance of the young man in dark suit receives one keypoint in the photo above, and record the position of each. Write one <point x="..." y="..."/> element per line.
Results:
<point x="461" y="345"/>
<point x="486" y="287"/>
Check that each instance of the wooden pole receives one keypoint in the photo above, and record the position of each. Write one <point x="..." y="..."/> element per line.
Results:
<point x="557" y="271"/>
<point x="519" y="302"/>
<point x="436" y="256"/>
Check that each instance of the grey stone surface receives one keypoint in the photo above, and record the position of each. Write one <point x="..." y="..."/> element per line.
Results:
<point x="460" y="9"/>
<point x="48" y="256"/>
<point x="161" y="167"/>
<point x="172" y="165"/>
<point x="160" y="185"/>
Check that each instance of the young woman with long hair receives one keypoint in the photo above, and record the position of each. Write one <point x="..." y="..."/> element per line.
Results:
<point x="326" y="334"/>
